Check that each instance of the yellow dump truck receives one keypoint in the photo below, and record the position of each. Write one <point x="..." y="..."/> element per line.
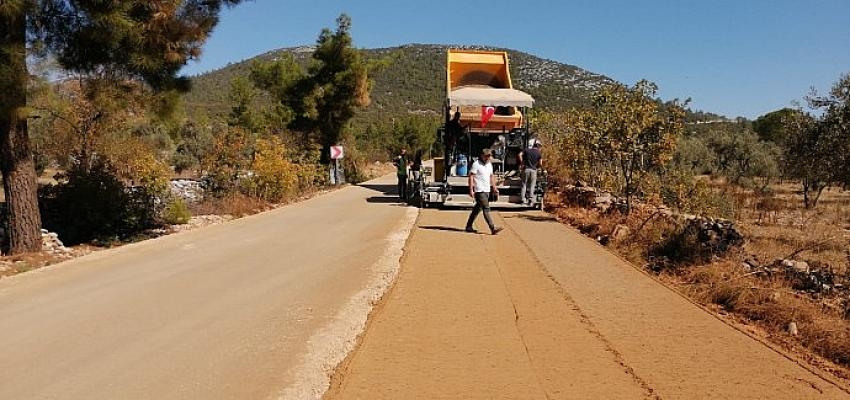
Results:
<point x="482" y="110"/>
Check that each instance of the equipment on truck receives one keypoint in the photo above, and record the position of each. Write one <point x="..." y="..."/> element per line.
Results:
<point x="482" y="110"/>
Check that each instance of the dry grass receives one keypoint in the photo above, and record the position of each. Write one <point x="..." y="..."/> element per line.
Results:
<point x="13" y="265"/>
<point x="772" y="306"/>
<point x="823" y="233"/>
<point x="377" y="169"/>
<point x="776" y="226"/>
<point x="237" y="205"/>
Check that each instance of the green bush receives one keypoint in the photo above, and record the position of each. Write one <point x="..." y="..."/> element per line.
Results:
<point x="93" y="203"/>
<point x="176" y="212"/>
<point x="682" y="191"/>
<point x="693" y="154"/>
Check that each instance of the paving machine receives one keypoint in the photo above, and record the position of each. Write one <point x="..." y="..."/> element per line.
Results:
<point x="482" y="110"/>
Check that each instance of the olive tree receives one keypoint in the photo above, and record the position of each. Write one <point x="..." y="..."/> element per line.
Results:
<point x="817" y="149"/>
<point x="637" y="134"/>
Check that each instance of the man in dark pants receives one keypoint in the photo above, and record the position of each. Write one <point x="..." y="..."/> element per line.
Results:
<point x="454" y="133"/>
<point x="481" y="181"/>
<point x="401" y="171"/>
<point x="530" y="161"/>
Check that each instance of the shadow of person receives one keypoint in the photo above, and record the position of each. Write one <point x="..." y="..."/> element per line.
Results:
<point x="387" y="189"/>
<point x="383" y="199"/>
<point x="532" y="217"/>
<point x="442" y="228"/>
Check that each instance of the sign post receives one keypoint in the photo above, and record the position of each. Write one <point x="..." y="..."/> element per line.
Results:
<point x="337" y="176"/>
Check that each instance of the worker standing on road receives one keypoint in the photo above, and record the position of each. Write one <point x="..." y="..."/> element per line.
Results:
<point x="401" y="164"/>
<point x="416" y="165"/>
<point x="481" y="181"/>
<point x="530" y="161"/>
<point x="454" y="133"/>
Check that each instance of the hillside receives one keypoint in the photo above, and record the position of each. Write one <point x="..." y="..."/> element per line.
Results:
<point x="414" y="81"/>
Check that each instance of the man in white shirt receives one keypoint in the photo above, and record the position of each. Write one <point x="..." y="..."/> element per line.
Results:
<point x="481" y="180"/>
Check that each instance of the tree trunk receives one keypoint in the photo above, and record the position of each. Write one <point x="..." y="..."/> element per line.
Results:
<point x="806" y="189"/>
<point x="817" y="195"/>
<point x="16" y="162"/>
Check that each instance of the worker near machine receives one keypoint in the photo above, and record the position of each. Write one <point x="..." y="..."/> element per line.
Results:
<point x="454" y="129"/>
<point x="401" y="163"/>
<point x="530" y="161"/>
<point x="416" y="165"/>
<point x="454" y="132"/>
<point x="481" y="182"/>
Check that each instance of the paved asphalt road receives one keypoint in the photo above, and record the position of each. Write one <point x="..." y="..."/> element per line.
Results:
<point x="252" y="309"/>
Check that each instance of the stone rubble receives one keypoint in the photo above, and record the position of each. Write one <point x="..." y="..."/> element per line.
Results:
<point x="718" y="235"/>
<point x="189" y="190"/>
<point x="804" y="277"/>
<point x="51" y="244"/>
<point x="200" y="221"/>
<point x="792" y="329"/>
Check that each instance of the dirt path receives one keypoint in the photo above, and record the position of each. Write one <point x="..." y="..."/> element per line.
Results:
<point x="539" y="312"/>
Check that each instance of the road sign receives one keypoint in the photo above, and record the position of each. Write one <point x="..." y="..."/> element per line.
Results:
<point x="337" y="152"/>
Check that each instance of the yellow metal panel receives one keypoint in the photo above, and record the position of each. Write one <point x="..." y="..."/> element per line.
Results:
<point x="477" y="57"/>
<point x="473" y="67"/>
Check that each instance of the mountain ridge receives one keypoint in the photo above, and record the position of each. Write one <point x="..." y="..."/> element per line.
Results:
<point x="414" y="80"/>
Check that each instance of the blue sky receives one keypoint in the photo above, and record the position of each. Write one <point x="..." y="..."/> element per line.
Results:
<point x="737" y="58"/>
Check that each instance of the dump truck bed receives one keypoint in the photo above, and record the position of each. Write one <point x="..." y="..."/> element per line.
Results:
<point x="477" y="68"/>
<point x="483" y="78"/>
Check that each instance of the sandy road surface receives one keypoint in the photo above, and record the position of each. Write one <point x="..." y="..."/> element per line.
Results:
<point x="252" y="309"/>
<point x="540" y="312"/>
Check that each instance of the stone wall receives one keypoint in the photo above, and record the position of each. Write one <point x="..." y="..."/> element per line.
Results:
<point x="715" y="234"/>
<point x="190" y="190"/>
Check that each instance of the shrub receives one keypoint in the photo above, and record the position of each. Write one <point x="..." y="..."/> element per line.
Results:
<point x="176" y="212"/>
<point x="681" y="245"/>
<point x="134" y="161"/>
<point x="726" y="295"/>
<point x="183" y="162"/>
<point x="195" y="143"/>
<point x="274" y="177"/>
<point x="227" y="160"/>
<point x="679" y="189"/>
<point x="694" y="154"/>
<point x="311" y="173"/>
<point x="93" y="203"/>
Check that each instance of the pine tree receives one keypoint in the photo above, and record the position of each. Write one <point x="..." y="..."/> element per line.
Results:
<point x="149" y="41"/>
<point x="325" y="98"/>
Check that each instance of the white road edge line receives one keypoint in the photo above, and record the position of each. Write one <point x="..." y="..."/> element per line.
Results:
<point x="328" y="347"/>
